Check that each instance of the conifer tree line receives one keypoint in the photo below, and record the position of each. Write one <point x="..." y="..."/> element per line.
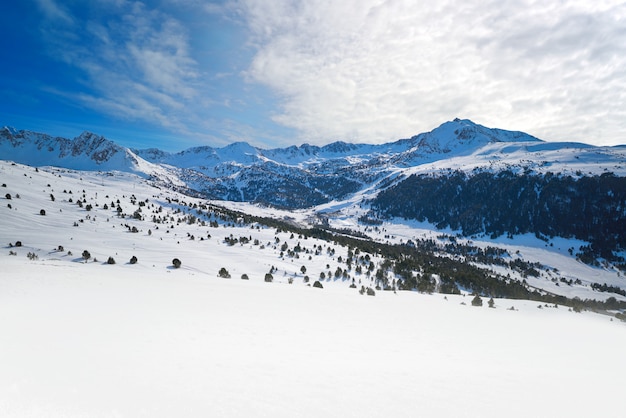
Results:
<point x="589" y="208"/>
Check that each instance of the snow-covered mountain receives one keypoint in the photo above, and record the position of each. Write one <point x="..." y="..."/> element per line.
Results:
<point x="88" y="151"/>
<point x="456" y="138"/>
<point x="306" y="175"/>
<point x="578" y="190"/>
<point x="97" y="319"/>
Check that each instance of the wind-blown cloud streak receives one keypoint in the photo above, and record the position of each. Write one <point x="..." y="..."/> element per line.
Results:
<point x="136" y="65"/>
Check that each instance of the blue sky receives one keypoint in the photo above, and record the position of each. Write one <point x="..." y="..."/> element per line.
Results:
<point x="174" y="74"/>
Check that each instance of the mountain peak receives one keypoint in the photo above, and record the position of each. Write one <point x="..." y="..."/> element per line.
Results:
<point x="10" y="130"/>
<point x="460" y="137"/>
<point x="466" y="130"/>
<point x="463" y="121"/>
<point x="88" y="135"/>
<point x="241" y="146"/>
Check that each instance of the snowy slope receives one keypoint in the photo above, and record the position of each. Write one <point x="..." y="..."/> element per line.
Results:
<point x="93" y="343"/>
<point x="76" y="228"/>
<point x="85" y="338"/>
<point x="338" y="181"/>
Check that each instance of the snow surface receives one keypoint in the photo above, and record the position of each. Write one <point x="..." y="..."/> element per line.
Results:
<point x="102" y="341"/>
<point x="88" y="339"/>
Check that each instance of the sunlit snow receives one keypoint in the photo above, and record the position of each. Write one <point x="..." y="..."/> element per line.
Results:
<point x="88" y="339"/>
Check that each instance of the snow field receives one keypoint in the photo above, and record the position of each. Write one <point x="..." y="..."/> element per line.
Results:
<point x="95" y="340"/>
<point x="79" y="343"/>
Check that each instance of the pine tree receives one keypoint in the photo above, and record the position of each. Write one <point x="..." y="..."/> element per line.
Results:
<point x="477" y="301"/>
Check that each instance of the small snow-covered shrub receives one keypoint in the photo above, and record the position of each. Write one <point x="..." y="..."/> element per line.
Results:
<point x="133" y="260"/>
<point x="42" y="212"/>
<point x="86" y="255"/>
<point x="224" y="273"/>
<point x="318" y="284"/>
<point x="269" y="278"/>
<point x="176" y="263"/>
<point x="477" y="301"/>
<point x="110" y="260"/>
<point x="244" y="277"/>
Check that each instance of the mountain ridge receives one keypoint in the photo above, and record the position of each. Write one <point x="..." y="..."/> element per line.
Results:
<point x="461" y="175"/>
<point x="458" y="135"/>
<point x="308" y="175"/>
<point x="88" y="151"/>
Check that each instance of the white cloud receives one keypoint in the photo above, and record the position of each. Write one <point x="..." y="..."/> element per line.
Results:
<point x="374" y="70"/>
<point x="54" y="12"/>
<point x="137" y="63"/>
<point x="357" y="70"/>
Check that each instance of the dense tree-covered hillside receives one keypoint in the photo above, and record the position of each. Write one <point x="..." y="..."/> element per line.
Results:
<point x="588" y="208"/>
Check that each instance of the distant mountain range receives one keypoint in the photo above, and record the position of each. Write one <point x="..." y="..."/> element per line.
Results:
<point x="566" y="189"/>
<point x="307" y="175"/>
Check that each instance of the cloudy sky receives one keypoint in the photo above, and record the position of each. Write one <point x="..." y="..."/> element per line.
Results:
<point x="178" y="73"/>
